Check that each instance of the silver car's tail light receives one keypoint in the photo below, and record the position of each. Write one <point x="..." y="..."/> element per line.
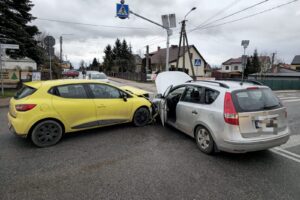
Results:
<point x="230" y="114"/>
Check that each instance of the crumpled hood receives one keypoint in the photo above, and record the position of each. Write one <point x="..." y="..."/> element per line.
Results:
<point x="136" y="91"/>
<point x="165" y="79"/>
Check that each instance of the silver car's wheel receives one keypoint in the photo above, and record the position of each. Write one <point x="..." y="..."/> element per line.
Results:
<point x="204" y="140"/>
<point x="46" y="133"/>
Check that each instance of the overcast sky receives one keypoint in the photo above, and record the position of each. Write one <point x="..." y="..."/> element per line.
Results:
<point x="275" y="31"/>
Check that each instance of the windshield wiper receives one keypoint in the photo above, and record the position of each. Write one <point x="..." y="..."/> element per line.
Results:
<point x="270" y="107"/>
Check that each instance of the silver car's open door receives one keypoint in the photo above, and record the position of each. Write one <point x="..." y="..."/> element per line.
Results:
<point x="163" y="111"/>
<point x="164" y="83"/>
<point x="163" y="107"/>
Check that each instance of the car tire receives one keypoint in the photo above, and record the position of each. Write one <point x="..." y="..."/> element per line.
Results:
<point x="141" y="117"/>
<point x="46" y="133"/>
<point x="204" y="140"/>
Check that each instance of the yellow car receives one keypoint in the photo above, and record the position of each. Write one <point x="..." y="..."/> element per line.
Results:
<point x="45" y="110"/>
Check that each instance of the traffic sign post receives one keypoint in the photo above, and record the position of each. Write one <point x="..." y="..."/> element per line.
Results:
<point x="50" y="42"/>
<point x="3" y="47"/>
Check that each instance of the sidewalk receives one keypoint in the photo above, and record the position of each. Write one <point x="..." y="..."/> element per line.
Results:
<point x="150" y="86"/>
<point x="4" y="102"/>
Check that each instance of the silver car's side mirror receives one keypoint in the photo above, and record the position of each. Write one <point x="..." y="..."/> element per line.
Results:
<point x="159" y="96"/>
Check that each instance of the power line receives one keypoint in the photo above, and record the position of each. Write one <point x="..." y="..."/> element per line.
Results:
<point x="242" y="18"/>
<point x="248" y="16"/>
<point x="220" y="12"/>
<point x="230" y="15"/>
<point x="95" y="25"/>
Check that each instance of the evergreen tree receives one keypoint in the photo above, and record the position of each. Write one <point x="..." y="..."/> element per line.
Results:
<point x="108" y="59"/>
<point x="255" y="62"/>
<point x="95" y="65"/>
<point x="248" y="67"/>
<point x="14" y="28"/>
<point x="117" y="50"/>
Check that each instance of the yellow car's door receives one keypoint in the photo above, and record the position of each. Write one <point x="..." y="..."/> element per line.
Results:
<point x="111" y="107"/>
<point x="74" y="106"/>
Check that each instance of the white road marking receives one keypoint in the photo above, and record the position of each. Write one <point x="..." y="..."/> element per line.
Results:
<point x="292" y="142"/>
<point x="292" y="100"/>
<point x="287" y="152"/>
<point x="285" y="155"/>
<point x="284" y="98"/>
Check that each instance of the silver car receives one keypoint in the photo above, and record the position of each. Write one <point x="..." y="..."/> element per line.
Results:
<point x="222" y="115"/>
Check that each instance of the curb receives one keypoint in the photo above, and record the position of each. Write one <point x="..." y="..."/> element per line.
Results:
<point x="4" y="103"/>
<point x="4" y="106"/>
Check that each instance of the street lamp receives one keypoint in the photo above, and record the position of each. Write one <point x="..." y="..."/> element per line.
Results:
<point x="245" y="44"/>
<point x="194" y="8"/>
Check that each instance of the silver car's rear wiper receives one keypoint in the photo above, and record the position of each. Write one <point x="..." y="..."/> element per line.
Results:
<point x="270" y="107"/>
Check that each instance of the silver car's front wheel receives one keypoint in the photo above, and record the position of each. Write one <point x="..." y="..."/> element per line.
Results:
<point x="204" y="140"/>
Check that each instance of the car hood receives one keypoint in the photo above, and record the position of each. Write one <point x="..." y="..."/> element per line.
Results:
<point x="165" y="79"/>
<point x="136" y="91"/>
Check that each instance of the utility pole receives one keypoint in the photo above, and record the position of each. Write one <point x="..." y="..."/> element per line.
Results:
<point x="183" y="38"/>
<point x="273" y="59"/>
<point x="147" y="57"/>
<point x="50" y="64"/>
<point x="1" y="72"/>
<point x="60" y="52"/>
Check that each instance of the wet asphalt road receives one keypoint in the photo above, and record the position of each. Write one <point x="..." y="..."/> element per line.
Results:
<point x="125" y="162"/>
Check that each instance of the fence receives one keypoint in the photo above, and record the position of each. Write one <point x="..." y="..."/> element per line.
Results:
<point x="133" y="76"/>
<point x="282" y="84"/>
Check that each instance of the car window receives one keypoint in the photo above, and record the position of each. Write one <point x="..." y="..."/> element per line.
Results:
<point x="104" y="91"/>
<point x="176" y="92"/>
<point x="210" y="95"/>
<point x="25" y="91"/>
<point x="98" y="76"/>
<point x="193" y="94"/>
<point x="75" y="91"/>
<point x="255" y="100"/>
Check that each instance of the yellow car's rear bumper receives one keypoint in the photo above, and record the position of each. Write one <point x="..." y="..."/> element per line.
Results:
<point x="16" y="126"/>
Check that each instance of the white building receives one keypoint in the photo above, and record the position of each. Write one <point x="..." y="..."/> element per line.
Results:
<point x="235" y="64"/>
<point x="158" y="60"/>
<point x="232" y="65"/>
<point x="23" y="64"/>
<point x="13" y="70"/>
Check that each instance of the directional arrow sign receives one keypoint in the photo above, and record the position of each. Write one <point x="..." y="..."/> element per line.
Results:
<point x="9" y="46"/>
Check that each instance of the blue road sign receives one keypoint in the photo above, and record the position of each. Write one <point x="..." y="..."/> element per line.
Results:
<point x="122" y="11"/>
<point x="197" y="62"/>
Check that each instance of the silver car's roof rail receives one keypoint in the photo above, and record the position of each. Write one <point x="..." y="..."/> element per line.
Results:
<point x="216" y="82"/>
<point x="240" y="80"/>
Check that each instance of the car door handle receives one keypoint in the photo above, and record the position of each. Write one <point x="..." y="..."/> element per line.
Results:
<point x="194" y="112"/>
<point x="101" y="106"/>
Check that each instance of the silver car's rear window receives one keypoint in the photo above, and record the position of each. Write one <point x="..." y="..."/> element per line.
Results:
<point x="256" y="99"/>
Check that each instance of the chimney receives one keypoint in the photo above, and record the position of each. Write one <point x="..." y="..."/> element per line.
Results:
<point x="158" y="48"/>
